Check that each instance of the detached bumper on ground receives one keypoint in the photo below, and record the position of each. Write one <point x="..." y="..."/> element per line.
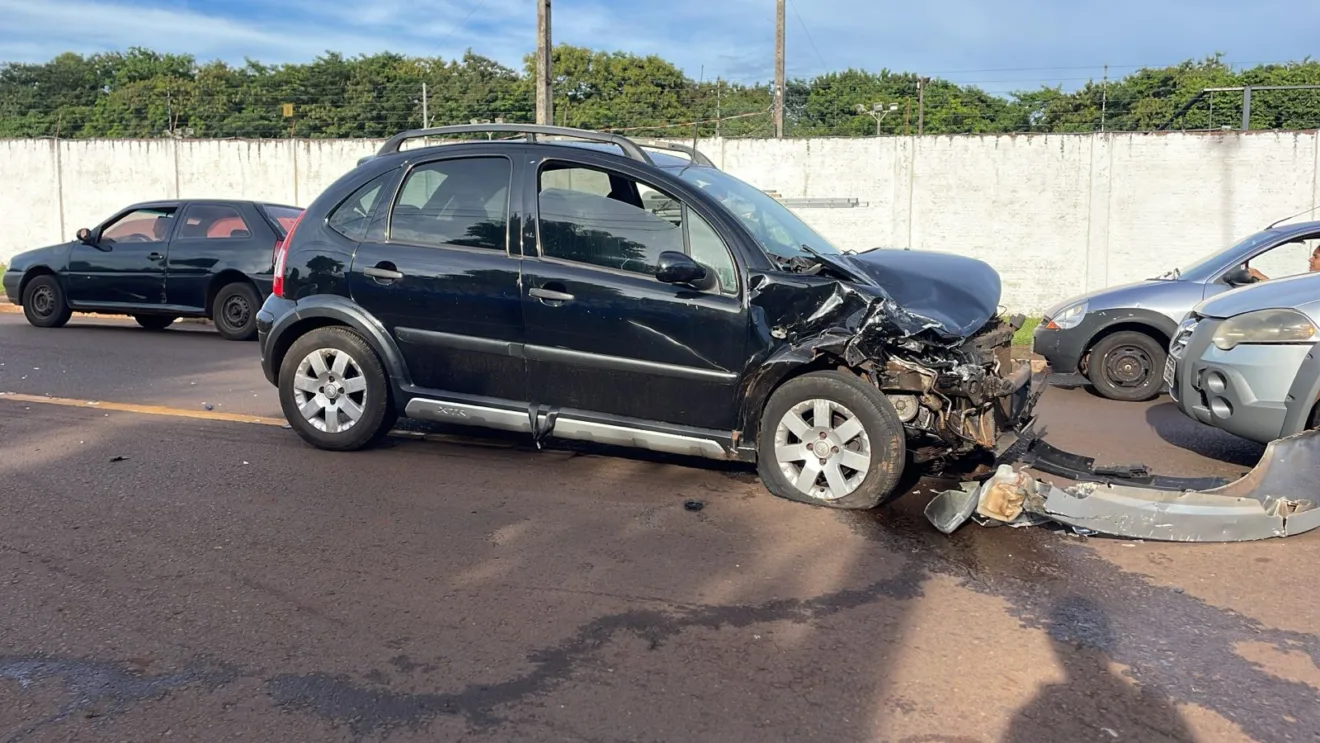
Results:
<point x="1280" y="497"/>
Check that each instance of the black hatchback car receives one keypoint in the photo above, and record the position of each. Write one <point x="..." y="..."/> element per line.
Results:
<point x="159" y="261"/>
<point x="608" y="291"/>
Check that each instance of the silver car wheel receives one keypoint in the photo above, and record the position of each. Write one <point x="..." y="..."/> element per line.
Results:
<point x="330" y="390"/>
<point x="822" y="448"/>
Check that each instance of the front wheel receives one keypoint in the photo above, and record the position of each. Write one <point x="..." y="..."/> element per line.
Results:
<point x="334" y="390"/>
<point x="234" y="311"/>
<point x="44" y="304"/>
<point x="1127" y="366"/>
<point x="154" y="322"/>
<point x="830" y="439"/>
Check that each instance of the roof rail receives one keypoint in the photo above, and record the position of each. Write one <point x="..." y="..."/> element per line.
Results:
<point x="659" y="144"/>
<point x="629" y="148"/>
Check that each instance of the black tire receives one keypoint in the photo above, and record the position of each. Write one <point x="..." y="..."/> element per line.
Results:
<point x="155" y="322"/>
<point x="44" y="304"/>
<point x="880" y="424"/>
<point x="374" y="400"/>
<point x="234" y="311"/>
<point x="1127" y="366"/>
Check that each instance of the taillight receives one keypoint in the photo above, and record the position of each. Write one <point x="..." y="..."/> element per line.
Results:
<point x="281" y="253"/>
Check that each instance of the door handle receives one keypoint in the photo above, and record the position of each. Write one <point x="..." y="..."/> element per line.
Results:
<point x="376" y="272"/>
<point x="155" y="256"/>
<point x="551" y="295"/>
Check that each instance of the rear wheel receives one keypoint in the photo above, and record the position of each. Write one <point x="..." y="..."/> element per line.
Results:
<point x="44" y="304"/>
<point x="334" y="390"/>
<point x="155" y="322"/>
<point x="830" y="439"/>
<point x="234" y="311"/>
<point x="1127" y="366"/>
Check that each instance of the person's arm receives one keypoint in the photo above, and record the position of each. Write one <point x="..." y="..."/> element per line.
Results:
<point x="1257" y="275"/>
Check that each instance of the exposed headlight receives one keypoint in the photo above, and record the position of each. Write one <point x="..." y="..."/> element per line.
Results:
<point x="1264" y="326"/>
<point x="1069" y="318"/>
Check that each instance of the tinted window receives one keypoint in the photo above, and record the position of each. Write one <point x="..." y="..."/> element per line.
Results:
<point x="352" y="217"/>
<point x="284" y="216"/>
<point x="609" y="220"/>
<point x="614" y="231"/>
<point x="202" y="222"/>
<point x="454" y="202"/>
<point x="140" y="225"/>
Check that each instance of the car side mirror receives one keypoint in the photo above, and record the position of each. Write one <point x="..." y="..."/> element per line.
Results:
<point x="678" y="268"/>
<point x="1239" y="276"/>
<point x="85" y="236"/>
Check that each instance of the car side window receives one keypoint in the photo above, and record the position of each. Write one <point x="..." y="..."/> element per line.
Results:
<point x="1289" y="259"/>
<point x="212" y="222"/>
<point x="707" y="248"/>
<point x="606" y="219"/>
<point x="141" y="226"/>
<point x="462" y="202"/>
<point x="353" y="215"/>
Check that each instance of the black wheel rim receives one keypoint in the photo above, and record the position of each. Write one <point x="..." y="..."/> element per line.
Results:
<point x="1129" y="366"/>
<point x="236" y="312"/>
<point x="43" y="301"/>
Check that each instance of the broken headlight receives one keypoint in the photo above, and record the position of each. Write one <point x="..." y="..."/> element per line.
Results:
<point x="1069" y="318"/>
<point x="1264" y="326"/>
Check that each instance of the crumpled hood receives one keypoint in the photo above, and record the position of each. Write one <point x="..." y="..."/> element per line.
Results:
<point x="958" y="294"/>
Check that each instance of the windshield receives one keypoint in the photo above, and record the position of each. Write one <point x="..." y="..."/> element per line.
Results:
<point x="1212" y="261"/>
<point x="780" y="231"/>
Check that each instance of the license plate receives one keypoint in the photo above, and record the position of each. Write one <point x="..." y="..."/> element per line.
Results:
<point x="1170" y="365"/>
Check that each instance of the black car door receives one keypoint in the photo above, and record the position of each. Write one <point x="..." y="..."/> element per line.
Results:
<point x="603" y="334"/>
<point x="210" y="238"/>
<point x="442" y="279"/>
<point x="125" y="267"/>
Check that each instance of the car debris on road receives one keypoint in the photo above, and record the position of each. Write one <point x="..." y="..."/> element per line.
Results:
<point x="1277" y="498"/>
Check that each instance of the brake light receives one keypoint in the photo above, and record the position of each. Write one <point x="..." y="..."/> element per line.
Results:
<point x="282" y="253"/>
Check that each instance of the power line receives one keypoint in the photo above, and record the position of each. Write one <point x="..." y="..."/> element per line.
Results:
<point x="461" y="23"/>
<point x="807" y="31"/>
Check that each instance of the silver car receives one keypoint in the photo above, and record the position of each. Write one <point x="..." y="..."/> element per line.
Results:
<point x="1118" y="337"/>
<point x="1248" y="361"/>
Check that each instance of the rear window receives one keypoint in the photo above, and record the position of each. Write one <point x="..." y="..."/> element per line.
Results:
<point x="284" y="216"/>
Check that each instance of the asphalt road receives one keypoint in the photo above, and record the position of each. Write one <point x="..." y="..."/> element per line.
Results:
<point x="171" y="578"/>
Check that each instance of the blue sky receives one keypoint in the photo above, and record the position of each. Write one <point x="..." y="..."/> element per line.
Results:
<point x="1004" y="45"/>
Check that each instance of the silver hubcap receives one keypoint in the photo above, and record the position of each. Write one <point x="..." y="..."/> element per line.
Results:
<point x="43" y="301"/>
<point x="330" y="390"/>
<point x="822" y="449"/>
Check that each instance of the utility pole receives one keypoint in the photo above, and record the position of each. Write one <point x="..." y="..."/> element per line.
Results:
<point x="1246" y="108"/>
<point x="921" y="105"/>
<point x="779" y="68"/>
<point x="426" y="116"/>
<point x="1104" y="98"/>
<point x="544" y="102"/>
<point x="719" y="86"/>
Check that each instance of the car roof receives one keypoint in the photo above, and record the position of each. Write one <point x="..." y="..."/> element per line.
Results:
<point x="1297" y="228"/>
<point x="220" y="202"/>
<point x="661" y="158"/>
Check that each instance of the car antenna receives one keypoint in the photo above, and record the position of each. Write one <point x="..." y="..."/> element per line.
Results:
<point x="1295" y="216"/>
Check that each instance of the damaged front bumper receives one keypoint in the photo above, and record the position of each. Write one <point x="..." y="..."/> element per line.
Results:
<point x="1278" y="498"/>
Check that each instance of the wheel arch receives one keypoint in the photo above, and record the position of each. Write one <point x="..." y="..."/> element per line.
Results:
<point x="1160" y="332"/>
<point x="321" y="311"/>
<point x="32" y="273"/>
<point x="223" y="279"/>
<point x="778" y="370"/>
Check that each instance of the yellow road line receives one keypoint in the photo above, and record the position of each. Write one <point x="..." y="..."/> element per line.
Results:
<point x="124" y="407"/>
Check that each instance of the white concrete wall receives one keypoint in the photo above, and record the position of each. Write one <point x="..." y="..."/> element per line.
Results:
<point x="1056" y="214"/>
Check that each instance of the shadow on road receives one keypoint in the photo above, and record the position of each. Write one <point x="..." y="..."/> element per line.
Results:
<point x="1091" y="699"/>
<point x="1181" y="431"/>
